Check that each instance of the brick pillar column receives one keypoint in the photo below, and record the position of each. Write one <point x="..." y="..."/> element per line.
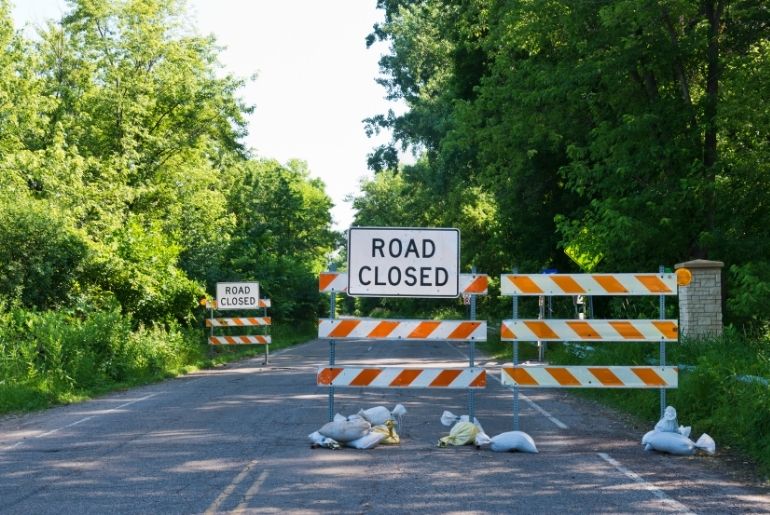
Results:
<point x="700" y="303"/>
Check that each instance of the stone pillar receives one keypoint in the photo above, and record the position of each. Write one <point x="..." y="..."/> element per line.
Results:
<point x="700" y="303"/>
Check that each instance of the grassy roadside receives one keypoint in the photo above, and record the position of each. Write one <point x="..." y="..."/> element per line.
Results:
<point x="52" y="358"/>
<point x="723" y="385"/>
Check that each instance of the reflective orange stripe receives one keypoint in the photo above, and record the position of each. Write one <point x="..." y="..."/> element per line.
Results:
<point x="648" y="376"/>
<point x="524" y="284"/>
<point x="344" y="328"/>
<point x="567" y="284"/>
<point x="406" y="377"/>
<point x="626" y="330"/>
<point x="652" y="283"/>
<point x="462" y="331"/>
<point x="365" y="377"/>
<point x="478" y="285"/>
<point x="583" y="329"/>
<point x="521" y="376"/>
<point x="445" y="378"/>
<point x="541" y="329"/>
<point x="324" y="280"/>
<point x="563" y="376"/>
<point x="668" y="329"/>
<point x="506" y="332"/>
<point x="383" y="329"/>
<point x="610" y="284"/>
<point x="480" y="381"/>
<point x="424" y="329"/>
<point x="327" y="375"/>
<point x="605" y="376"/>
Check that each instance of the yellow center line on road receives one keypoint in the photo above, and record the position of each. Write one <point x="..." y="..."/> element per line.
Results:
<point x="251" y="492"/>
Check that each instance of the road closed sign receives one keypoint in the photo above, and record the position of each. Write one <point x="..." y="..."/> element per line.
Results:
<point x="237" y="296"/>
<point x="401" y="262"/>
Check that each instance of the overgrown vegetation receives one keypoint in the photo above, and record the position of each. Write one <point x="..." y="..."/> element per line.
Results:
<point x="126" y="193"/>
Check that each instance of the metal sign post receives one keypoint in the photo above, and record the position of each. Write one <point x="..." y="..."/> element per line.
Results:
<point x="332" y="315"/>
<point x="515" y="360"/>
<point x="472" y="356"/>
<point x="662" y="312"/>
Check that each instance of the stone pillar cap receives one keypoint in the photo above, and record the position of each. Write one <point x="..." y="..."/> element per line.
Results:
<point x="700" y="263"/>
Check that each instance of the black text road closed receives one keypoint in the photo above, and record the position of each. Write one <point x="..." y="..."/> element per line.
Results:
<point x="401" y="262"/>
<point x="237" y="295"/>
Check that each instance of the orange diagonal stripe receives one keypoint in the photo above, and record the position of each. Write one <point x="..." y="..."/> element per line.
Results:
<point x="424" y="329"/>
<point x="521" y="376"/>
<point x="478" y="285"/>
<point x="406" y="377"/>
<point x="327" y="375"/>
<point x="366" y="377"/>
<point x="584" y="330"/>
<point x="344" y="328"/>
<point x="209" y="322"/>
<point x="383" y="329"/>
<point x="563" y="376"/>
<point x="445" y="378"/>
<point x="668" y="329"/>
<point x="506" y="332"/>
<point x="605" y="376"/>
<point x="463" y="330"/>
<point x="213" y="340"/>
<point x="653" y="284"/>
<point x="610" y="284"/>
<point x="481" y="380"/>
<point x="324" y="280"/>
<point x="541" y="330"/>
<point x="268" y="320"/>
<point x="524" y="284"/>
<point x="567" y="284"/>
<point x="626" y="330"/>
<point x="649" y="377"/>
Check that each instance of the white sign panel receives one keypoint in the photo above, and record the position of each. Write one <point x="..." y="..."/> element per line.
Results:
<point x="400" y="262"/>
<point x="237" y="296"/>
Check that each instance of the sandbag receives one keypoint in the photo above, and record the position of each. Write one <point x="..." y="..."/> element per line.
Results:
<point x="342" y="418"/>
<point x="513" y="441"/>
<point x="319" y="440"/>
<point x="390" y="435"/>
<point x="462" y="433"/>
<point x="675" y="443"/>
<point x="367" y="441"/>
<point x="379" y="414"/>
<point x="346" y="430"/>
<point x="668" y="423"/>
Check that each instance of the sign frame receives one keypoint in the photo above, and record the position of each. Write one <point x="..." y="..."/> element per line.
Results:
<point x="248" y="284"/>
<point x="450" y="264"/>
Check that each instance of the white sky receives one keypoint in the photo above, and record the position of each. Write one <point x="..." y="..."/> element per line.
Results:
<point x="315" y="79"/>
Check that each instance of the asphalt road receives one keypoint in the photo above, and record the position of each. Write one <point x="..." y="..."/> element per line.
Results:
<point x="234" y="440"/>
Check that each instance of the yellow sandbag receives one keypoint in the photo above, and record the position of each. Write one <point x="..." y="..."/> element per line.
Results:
<point x="391" y="437"/>
<point x="461" y="433"/>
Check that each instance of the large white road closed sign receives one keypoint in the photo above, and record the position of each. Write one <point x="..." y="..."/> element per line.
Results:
<point x="237" y="296"/>
<point x="400" y="262"/>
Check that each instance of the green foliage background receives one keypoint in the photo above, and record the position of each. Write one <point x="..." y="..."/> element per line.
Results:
<point x="126" y="193"/>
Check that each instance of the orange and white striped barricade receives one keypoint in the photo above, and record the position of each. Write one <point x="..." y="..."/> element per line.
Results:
<point x="381" y="329"/>
<point x="589" y="330"/>
<point x="659" y="284"/>
<point x="393" y="377"/>
<point x="590" y="377"/>
<point x="257" y="339"/>
<point x="337" y="282"/>
<point x="238" y="322"/>
<point x="221" y="323"/>
<point x="588" y="284"/>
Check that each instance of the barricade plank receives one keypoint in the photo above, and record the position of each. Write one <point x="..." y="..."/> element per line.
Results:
<point x="588" y="284"/>
<point x="589" y="330"/>
<point x="590" y="377"/>
<point x="391" y="377"/>
<point x="381" y="329"/>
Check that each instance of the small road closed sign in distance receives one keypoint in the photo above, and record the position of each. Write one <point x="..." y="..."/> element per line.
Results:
<point x="237" y="296"/>
<point x="403" y="262"/>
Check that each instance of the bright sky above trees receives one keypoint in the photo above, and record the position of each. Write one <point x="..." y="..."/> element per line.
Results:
<point x="315" y="78"/>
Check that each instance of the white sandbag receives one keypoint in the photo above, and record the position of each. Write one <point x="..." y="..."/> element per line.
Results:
<point x="342" y="418"/>
<point x="319" y="440"/>
<point x="346" y="430"/>
<point x="513" y="441"/>
<point x="675" y="443"/>
<point x="448" y="418"/>
<point x="378" y="415"/>
<point x="481" y="439"/>
<point x="367" y="441"/>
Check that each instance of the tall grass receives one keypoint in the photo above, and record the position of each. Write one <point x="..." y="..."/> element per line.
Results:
<point x="56" y="357"/>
